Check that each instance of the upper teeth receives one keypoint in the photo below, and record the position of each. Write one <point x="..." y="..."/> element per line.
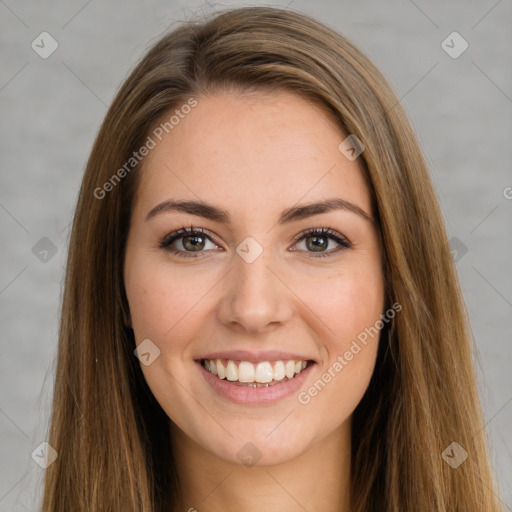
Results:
<point x="248" y="372"/>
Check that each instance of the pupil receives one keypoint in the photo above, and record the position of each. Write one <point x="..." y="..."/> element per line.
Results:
<point x="194" y="245"/>
<point x="321" y="245"/>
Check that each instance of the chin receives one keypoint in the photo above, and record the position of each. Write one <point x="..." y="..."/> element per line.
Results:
<point x="257" y="445"/>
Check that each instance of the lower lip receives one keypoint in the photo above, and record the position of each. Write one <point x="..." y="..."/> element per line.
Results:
<point x="256" y="396"/>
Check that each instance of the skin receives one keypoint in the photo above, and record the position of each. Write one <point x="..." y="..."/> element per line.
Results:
<point x="255" y="156"/>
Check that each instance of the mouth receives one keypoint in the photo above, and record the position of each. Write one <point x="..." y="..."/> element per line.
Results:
<point x="255" y="375"/>
<point x="258" y="383"/>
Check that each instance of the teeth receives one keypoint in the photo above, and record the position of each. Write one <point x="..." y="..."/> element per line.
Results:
<point x="231" y="371"/>
<point x="221" y="372"/>
<point x="290" y="369"/>
<point x="247" y="372"/>
<point x="279" y="372"/>
<point x="263" y="373"/>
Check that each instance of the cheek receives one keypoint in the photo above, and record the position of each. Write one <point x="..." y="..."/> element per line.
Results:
<point x="344" y="303"/>
<point x="160" y="299"/>
<point x="347" y="306"/>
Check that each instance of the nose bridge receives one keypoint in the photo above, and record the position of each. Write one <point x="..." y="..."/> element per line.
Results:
<point x="254" y="277"/>
<point x="254" y="297"/>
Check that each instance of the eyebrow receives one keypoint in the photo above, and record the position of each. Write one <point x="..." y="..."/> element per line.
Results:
<point x="294" y="213"/>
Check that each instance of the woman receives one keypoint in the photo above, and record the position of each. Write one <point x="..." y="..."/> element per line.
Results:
<point x="261" y="310"/>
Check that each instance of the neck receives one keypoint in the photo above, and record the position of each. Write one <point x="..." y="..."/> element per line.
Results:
<point x="317" y="479"/>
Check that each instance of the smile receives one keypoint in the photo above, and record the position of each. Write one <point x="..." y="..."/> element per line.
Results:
<point x="245" y="373"/>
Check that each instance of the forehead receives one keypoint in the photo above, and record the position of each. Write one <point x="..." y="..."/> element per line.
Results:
<point x="251" y="154"/>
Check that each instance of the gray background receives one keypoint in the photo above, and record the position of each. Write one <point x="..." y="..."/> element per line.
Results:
<point x="51" y="110"/>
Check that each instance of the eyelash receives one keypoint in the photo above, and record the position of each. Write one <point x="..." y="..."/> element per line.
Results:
<point x="320" y="232"/>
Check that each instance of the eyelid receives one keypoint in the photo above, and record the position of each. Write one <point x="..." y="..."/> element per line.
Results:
<point x="327" y="232"/>
<point x="324" y="231"/>
<point x="179" y="233"/>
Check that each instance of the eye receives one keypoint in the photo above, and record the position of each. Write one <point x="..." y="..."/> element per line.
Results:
<point x="318" y="240"/>
<point x="190" y="242"/>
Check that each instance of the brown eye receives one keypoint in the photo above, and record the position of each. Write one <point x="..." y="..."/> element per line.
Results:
<point x="193" y="242"/>
<point x="185" y="242"/>
<point x="318" y="243"/>
<point x="318" y="240"/>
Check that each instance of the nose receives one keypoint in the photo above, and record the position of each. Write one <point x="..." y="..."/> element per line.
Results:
<point x="255" y="296"/>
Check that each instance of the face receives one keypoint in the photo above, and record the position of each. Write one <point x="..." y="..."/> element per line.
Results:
<point x="254" y="280"/>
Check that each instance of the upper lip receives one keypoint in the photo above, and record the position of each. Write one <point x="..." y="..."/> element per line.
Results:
<point x="256" y="357"/>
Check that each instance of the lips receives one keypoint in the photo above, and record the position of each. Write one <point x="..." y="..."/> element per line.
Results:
<point x="254" y="393"/>
<point x="252" y="377"/>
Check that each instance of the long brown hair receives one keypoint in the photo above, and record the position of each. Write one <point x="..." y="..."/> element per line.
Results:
<point x="112" y="436"/>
